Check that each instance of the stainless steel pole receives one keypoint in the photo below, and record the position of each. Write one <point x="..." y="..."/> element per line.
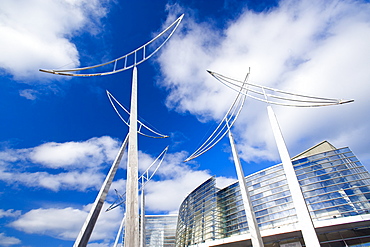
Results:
<point x="132" y="208"/>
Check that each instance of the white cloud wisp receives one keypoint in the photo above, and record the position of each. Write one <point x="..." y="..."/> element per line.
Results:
<point x="36" y="33"/>
<point x="309" y="47"/>
<point x="68" y="166"/>
<point x="65" y="223"/>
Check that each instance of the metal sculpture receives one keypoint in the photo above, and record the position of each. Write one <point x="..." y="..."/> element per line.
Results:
<point x="121" y="200"/>
<point x="87" y="228"/>
<point x="275" y="96"/>
<point x="146" y="176"/>
<point x="128" y="61"/>
<point x="284" y="98"/>
<point x="143" y="179"/>
<point x="221" y="130"/>
<point x="141" y="127"/>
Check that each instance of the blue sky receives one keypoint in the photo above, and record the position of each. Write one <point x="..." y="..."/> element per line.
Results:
<point x="59" y="135"/>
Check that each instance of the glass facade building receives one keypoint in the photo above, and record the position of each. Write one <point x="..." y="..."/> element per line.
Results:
<point x="198" y="216"/>
<point x="160" y="230"/>
<point x="335" y="186"/>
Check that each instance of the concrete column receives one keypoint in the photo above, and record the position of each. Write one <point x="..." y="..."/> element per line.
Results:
<point x="132" y="208"/>
<point x="304" y="218"/>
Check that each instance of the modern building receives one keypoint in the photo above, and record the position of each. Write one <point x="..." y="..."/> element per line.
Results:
<point x="335" y="186"/>
<point x="160" y="230"/>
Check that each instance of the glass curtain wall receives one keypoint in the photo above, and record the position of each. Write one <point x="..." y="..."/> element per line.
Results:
<point x="271" y="201"/>
<point x="334" y="184"/>
<point x="198" y="216"/>
<point x="160" y="230"/>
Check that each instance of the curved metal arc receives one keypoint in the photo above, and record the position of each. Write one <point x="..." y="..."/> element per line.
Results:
<point x="121" y="199"/>
<point x="266" y="95"/>
<point x="111" y="99"/>
<point x="145" y="56"/>
<point x="317" y="103"/>
<point x="216" y="75"/>
<point x="118" y="202"/>
<point x="220" y="131"/>
<point x="227" y="122"/>
<point x="145" y="177"/>
<point x="311" y="101"/>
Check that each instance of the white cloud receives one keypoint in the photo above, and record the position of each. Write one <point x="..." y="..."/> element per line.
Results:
<point x="82" y="163"/>
<point x="36" y="33"/>
<point x="310" y="47"/>
<point x="29" y="94"/>
<point x="67" y="181"/>
<point x="60" y="223"/>
<point x="167" y="195"/>
<point x="86" y="154"/>
<point x="99" y="245"/>
<point x="65" y="223"/>
<point x="9" y="213"/>
<point x="172" y="182"/>
<point x="177" y="180"/>
<point x="8" y="241"/>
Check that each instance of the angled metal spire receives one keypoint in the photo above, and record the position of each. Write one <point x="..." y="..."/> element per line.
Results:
<point x="129" y="61"/>
<point x="279" y="97"/>
<point x="125" y="62"/>
<point x="221" y="130"/>
<point x="88" y="226"/>
<point x="143" y="179"/>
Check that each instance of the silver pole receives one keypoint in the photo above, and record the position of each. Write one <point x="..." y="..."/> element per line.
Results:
<point x="142" y="221"/>
<point x="132" y="208"/>
<point x="251" y="218"/>
<point x="119" y="231"/>
<point x="87" y="228"/>
<point x="304" y="218"/>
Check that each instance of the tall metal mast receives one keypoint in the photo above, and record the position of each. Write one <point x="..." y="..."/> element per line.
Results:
<point x="284" y="98"/>
<point x="222" y="129"/>
<point x="132" y="207"/>
<point x="128" y="61"/>
<point x="143" y="179"/>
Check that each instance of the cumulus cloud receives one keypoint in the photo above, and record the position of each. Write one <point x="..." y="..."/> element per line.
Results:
<point x="67" y="181"/>
<point x="9" y="213"/>
<point x="37" y="34"/>
<point x="171" y="183"/>
<point x="8" y="241"/>
<point x="81" y="164"/>
<point x="309" y="47"/>
<point x="89" y="153"/>
<point x="177" y="180"/>
<point x="65" y="223"/>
